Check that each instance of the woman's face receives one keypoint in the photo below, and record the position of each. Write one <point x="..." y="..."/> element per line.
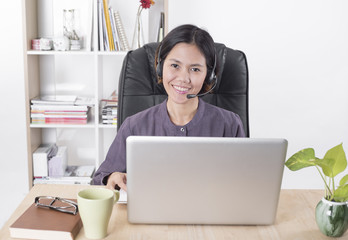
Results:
<point x="184" y="71"/>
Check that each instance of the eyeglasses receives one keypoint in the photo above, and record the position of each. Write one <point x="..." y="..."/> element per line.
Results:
<point x="57" y="203"/>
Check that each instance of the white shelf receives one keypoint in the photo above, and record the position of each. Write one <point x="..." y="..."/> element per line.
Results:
<point x="107" y="126"/>
<point x="91" y="73"/>
<point x="59" y="53"/>
<point x="113" y="53"/>
<point x="37" y="52"/>
<point x="88" y="125"/>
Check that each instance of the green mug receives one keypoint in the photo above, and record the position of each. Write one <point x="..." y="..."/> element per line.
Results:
<point x="95" y="208"/>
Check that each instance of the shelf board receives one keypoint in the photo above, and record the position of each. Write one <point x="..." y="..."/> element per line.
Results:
<point x="36" y="52"/>
<point x="88" y="125"/>
<point x="104" y="53"/>
<point x="107" y="126"/>
<point x="112" y="53"/>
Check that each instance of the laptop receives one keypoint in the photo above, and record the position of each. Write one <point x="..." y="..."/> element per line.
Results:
<point x="204" y="180"/>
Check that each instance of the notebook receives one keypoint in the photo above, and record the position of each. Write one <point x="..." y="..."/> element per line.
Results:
<point x="44" y="223"/>
<point x="204" y="180"/>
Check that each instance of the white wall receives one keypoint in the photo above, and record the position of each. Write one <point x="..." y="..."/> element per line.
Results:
<point x="13" y="157"/>
<point x="297" y="53"/>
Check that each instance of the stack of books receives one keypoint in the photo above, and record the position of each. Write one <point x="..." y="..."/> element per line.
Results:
<point x="109" y="109"/>
<point x="111" y="33"/>
<point x="60" y="110"/>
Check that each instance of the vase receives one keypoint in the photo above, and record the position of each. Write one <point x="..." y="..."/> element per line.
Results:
<point x="138" y="35"/>
<point x="332" y="217"/>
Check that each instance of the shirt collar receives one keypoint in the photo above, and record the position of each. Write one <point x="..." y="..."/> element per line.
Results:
<point x="195" y="120"/>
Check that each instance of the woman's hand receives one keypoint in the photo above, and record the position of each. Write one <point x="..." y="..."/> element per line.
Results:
<point x="117" y="178"/>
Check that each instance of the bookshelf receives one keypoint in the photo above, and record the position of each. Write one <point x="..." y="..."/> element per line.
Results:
<point x="85" y="73"/>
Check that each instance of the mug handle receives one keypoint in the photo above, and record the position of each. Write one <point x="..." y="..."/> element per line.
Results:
<point x="116" y="196"/>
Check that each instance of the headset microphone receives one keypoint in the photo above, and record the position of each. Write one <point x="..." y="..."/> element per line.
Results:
<point x="189" y="96"/>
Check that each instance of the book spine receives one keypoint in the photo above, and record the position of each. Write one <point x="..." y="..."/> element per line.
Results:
<point x="65" y="121"/>
<point x="108" y="26"/>
<point x="59" y="107"/>
<point x="65" y="116"/>
<point x="121" y="32"/>
<point x="113" y="27"/>
<point x="100" y="25"/>
<point x="105" y="31"/>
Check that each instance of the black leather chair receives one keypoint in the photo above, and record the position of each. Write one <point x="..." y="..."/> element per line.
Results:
<point x="138" y="88"/>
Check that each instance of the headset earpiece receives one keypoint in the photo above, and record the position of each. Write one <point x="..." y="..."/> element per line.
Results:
<point x="159" y="70"/>
<point x="159" y="63"/>
<point x="212" y="78"/>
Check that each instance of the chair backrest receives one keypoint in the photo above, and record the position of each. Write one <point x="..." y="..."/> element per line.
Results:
<point x="138" y="88"/>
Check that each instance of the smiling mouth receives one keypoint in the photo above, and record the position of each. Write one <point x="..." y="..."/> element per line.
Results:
<point x="181" y="90"/>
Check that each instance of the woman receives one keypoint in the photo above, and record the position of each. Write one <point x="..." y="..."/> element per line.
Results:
<point x="186" y="65"/>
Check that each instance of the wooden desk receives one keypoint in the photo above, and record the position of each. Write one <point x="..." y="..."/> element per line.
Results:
<point x="295" y="220"/>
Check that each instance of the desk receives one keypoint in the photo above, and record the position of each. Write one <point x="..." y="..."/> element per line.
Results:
<point x="295" y="220"/>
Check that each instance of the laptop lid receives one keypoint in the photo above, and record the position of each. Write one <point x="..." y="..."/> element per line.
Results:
<point x="204" y="180"/>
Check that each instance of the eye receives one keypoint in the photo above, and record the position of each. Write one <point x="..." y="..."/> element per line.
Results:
<point x="174" y="65"/>
<point x="195" y="69"/>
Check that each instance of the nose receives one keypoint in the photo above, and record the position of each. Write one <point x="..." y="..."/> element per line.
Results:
<point x="185" y="75"/>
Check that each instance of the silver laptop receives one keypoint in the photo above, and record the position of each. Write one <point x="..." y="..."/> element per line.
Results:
<point x="204" y="180"/>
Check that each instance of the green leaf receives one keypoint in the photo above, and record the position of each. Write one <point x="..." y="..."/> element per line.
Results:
<point x="327" y="165"/>
<point x="301" y="159"/>
<point x="344" y="180"/>
<point x="341" y="193"/>
<point x="338" y="157"/>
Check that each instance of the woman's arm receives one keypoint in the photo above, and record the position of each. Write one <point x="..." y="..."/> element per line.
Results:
<point x="115" y="160"/>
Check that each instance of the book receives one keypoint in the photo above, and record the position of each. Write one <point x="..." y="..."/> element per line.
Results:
<point x="109" y="109"/>
<point x="108" y="25"/>
<point x="121" y="32"/>
<point x="59" y="107"/>
<point x="114" y="31"/>
<point x="43" y="223"/>
<point x="85" y="101"/>
<point x="89" y="29"/>
<point x="54" y="99"/>
<point x="105" y="32"/>
<point x="112" y="98"/>
<point x="59" y="115"/>
<point x="61" y="121"/>
<point x="63" y="180"/>
<point x="100" y="25"/>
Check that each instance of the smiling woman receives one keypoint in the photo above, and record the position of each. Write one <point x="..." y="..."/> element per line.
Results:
<point x="186" y="66"/>
<point x="184" y="71"/>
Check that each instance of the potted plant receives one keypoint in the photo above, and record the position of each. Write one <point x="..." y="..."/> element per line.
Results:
<point x="331" y="212"/>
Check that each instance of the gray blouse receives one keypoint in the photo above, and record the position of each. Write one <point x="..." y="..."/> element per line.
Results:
<point x="209" y="121"/>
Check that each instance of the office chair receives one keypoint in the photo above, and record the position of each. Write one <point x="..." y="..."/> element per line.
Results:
<point x="138" y="88"/>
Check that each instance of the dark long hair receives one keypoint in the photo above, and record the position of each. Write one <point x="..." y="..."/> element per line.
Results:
<point x="192" y="35"/>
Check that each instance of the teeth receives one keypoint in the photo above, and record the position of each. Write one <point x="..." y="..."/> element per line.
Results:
<point x="180" y="88"/>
